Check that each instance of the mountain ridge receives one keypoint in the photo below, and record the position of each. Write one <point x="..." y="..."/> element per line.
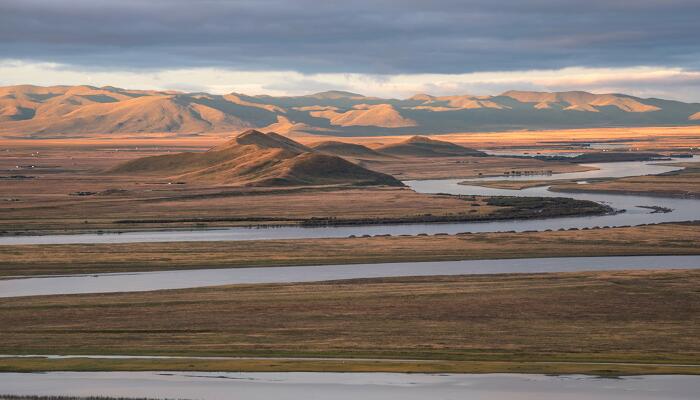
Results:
<point x="29" y="111"/>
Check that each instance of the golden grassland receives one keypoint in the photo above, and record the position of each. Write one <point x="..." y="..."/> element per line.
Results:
<point x="684" y="184"/>
<point x="491" y="323"/>
<point x="49" y="208"/>
<point x="680" y="184"/>
<point x="411" y="168"/>
<point x="641" y="138"/>
<point x="515" y="185"/>
<point x="343" y="365"/>
<point x="663" y="239"/>
<point x="59" y="189"/>
<point x="646" y="138"/>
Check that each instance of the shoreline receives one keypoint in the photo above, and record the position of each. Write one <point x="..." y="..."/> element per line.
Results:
<point x="511" y="213"/>
<point x="24" y="364"/>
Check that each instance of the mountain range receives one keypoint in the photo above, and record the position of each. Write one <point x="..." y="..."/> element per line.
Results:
<point x="28" y="111"/>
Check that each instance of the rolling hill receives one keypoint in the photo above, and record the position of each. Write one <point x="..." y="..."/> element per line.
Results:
<point x="254" y="158"/>
<point x="81" y="111"/>
<point x="420" y="146"/>
<point x="346" y="149"/>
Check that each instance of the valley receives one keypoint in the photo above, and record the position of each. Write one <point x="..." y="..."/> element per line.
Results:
<point x="376" y="200"/>
<point x="256" y="179"/>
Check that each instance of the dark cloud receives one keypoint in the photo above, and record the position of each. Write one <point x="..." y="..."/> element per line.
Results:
<point x="365" y="36"/>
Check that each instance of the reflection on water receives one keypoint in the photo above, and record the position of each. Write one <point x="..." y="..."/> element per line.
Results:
<point x="601" y="170"/>
<point x="144" y="281"/>
<point x="342" y="386"/>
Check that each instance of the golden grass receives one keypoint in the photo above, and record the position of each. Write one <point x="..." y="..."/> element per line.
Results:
<point x="664" y="239"/>
<point x="345" y="365"/>
<point x="643" y="138"/>
<point x="620" y="317"/>
<point x="683" y="184"/>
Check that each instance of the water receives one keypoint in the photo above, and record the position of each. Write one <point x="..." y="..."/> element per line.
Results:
<point x="601" y="170"/>
<point x="530" y="153"/>
<point x="368" y="386"/>
<point x="341" y="386"/>
<point x="683" y="210"/>
<point x="146" y="281"/>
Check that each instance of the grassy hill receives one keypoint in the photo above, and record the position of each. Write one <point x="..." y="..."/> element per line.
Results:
<point x="257" y="159"/>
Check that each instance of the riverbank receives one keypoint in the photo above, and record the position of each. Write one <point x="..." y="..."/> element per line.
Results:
<point x="684" y="184"/>
<point x="39" y="364"/>
<point x="639" y="321"/>
<point x="661" y="239"/>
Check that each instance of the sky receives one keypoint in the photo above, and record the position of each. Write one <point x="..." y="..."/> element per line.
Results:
<point x="385" y="48"/>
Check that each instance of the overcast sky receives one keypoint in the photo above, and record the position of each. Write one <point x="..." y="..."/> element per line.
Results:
<point x="383" y="48"/>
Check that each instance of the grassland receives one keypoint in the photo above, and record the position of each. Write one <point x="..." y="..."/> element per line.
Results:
<point x="523" y="323"/>
<point x="514" y="185"/>
<point x="39" y="364"/>
<point x="636" y="138"/>
<point x="663" y="239"/>
<point x="650" y="138"/>
<point x="59" y="189"/>
<point x="683" y="184"/>
<point x="411" y="168"/>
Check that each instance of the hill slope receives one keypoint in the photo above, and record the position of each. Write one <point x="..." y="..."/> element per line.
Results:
<point x="257" y="159"/>
<point x="67" y="111"/>
<point x="345" y="149"/>
<point x="419" y="146"/>
<point x="381" y="115"/>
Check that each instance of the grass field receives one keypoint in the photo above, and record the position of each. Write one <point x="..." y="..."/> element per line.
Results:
<point x="463" y="167"/>
<point x="636" y="138"/>
<point x="59" y="189"/>
<point x="684" y="184"/>
<point x="468" y="323"/>
<point x="344" y="365"/>
<point x="643" y="138"/>
<point x="660" y="239"/>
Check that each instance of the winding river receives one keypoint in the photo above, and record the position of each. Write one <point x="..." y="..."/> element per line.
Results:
<point x="683" y="210"/>
<point x="369" y="386"/>
<point x="341" y="386"/>
<point x="182" y="279"/>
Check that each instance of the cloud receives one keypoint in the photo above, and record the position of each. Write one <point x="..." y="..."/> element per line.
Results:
<point x="670" y="83"/>
<point x="381" y="37"/>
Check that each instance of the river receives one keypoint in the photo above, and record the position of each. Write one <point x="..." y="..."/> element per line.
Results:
<point x="368" y="386"/>
<point x="682" y="210"/>
<point x="182" y="279"/>
<point x="341" y="386"/>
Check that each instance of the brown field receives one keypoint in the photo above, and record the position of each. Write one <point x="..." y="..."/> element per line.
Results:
<point x="624" y="317"/>
<point x="640" y="138"/>
<point x="50" y="208"/>
<point x="463" y="167"/>
<point x="661" y="239"/>
<point x="66" y="189"/>
<point x="643" y="138"/>
<point x="39" y="364"/>
<point x="683" y="184"/>
<point x="515" y="185"/>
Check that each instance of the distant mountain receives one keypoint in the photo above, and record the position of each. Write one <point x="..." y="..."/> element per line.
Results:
<point x="78" y="111"/>
<point x="254" y="158"/>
